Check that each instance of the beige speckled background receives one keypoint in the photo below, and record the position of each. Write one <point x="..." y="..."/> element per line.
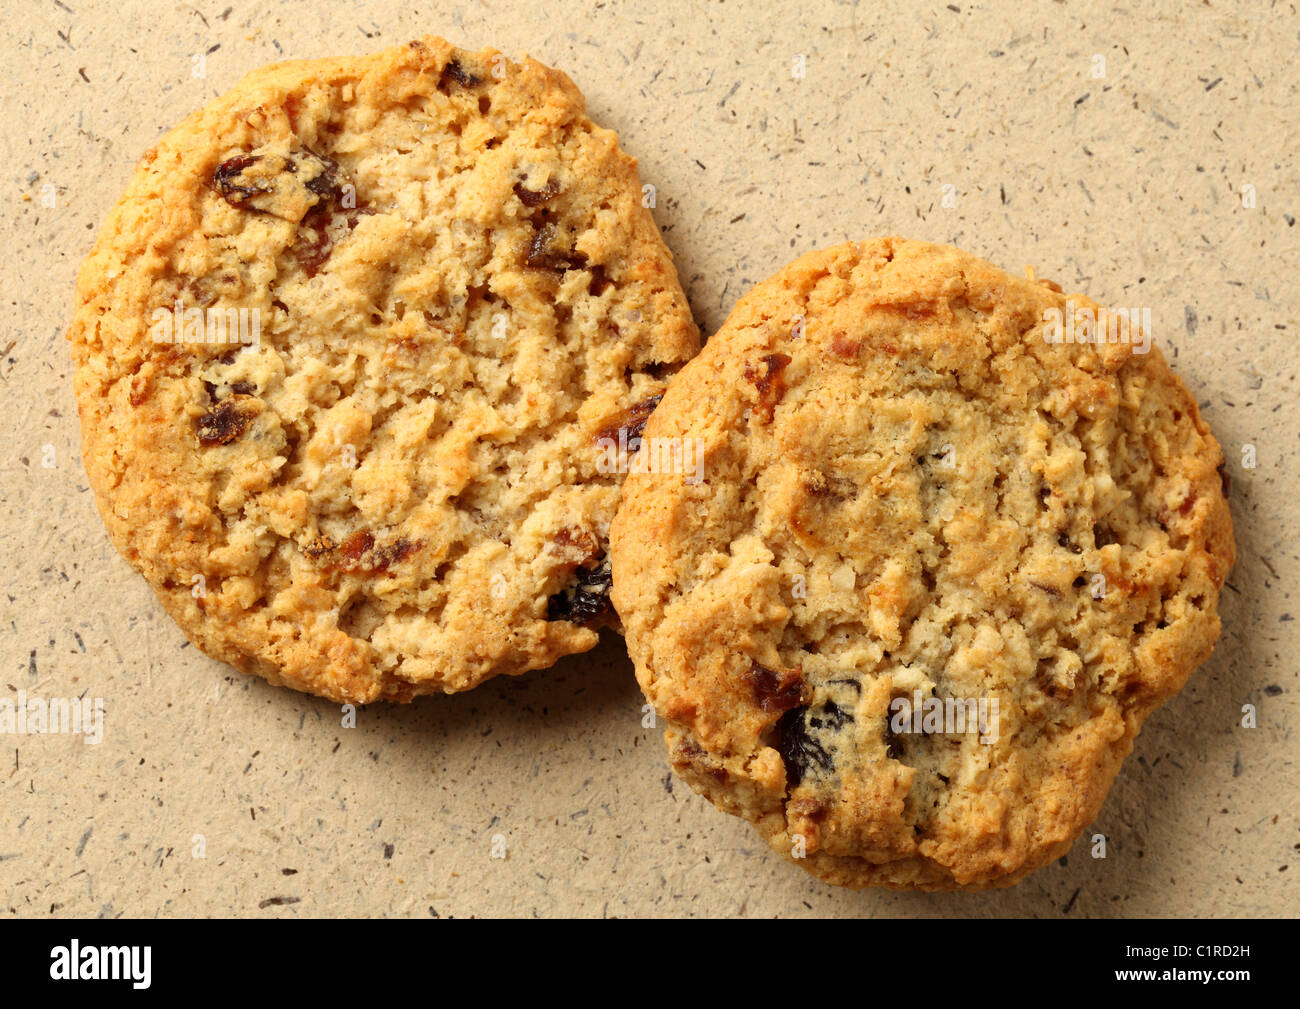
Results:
<point x="1126" y="186"/>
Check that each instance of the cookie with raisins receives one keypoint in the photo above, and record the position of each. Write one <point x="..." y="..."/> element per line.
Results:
<point x="349" y="351"/>
<point x="951" y="538"/>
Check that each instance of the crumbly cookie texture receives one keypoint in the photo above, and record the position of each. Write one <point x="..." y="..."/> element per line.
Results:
<point x="382" y="479"/>
<point x="908" y="492"/>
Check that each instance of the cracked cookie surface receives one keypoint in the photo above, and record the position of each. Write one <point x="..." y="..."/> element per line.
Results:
<point x="344" y="350"/>
<point x="909" y="499"/>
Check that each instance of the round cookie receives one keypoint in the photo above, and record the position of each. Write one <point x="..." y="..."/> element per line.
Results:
<point x="345" y="350"/>
<point x="925" y="569"/>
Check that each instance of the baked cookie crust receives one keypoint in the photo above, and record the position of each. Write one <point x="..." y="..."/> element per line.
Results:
<point x="908" y="492"/>
<point x="424" y="285"/>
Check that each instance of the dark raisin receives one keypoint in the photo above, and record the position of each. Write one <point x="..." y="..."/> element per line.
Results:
<point x="243" y="388"/>
<point x="224" y="179"/>
<point x="768" y="379"/>
<point x="226" y="421"/>
<point x="396" y="552"/>
<point x="586" y="599"/>
<point x="454" y="73"/>
<point x="893" y="744"/>
<point x="542" y="257"/>
<point x="799" y="751"/>
<point x="599" y="282"/>
<point x="581" y="545"/>
<point x="775" y="690"/>
<point x="301" y="172"/>
<point x="357" y="545"/>
<point x="326" y="182"/>
<point x="844" y="348"/>
<point x="632" y="426"/>
<point x="830" y="716"/>
<point x="358" y="552"/>
<point x="314" y="244"/>
<point x="535" y="198"/>
<point x="660" y="371"/>
<point x="688" y="754"/>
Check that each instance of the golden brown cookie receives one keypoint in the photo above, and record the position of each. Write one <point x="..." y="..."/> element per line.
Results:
<point x="344" y="352"/>
<point x="939" y="555"/>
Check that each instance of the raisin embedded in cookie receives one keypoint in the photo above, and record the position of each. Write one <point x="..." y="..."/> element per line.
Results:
<point x="942" y="556"/>
<point x="345" y="353"/>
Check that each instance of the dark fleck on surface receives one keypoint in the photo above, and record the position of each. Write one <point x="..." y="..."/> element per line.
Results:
<point x="278" y="901"/>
